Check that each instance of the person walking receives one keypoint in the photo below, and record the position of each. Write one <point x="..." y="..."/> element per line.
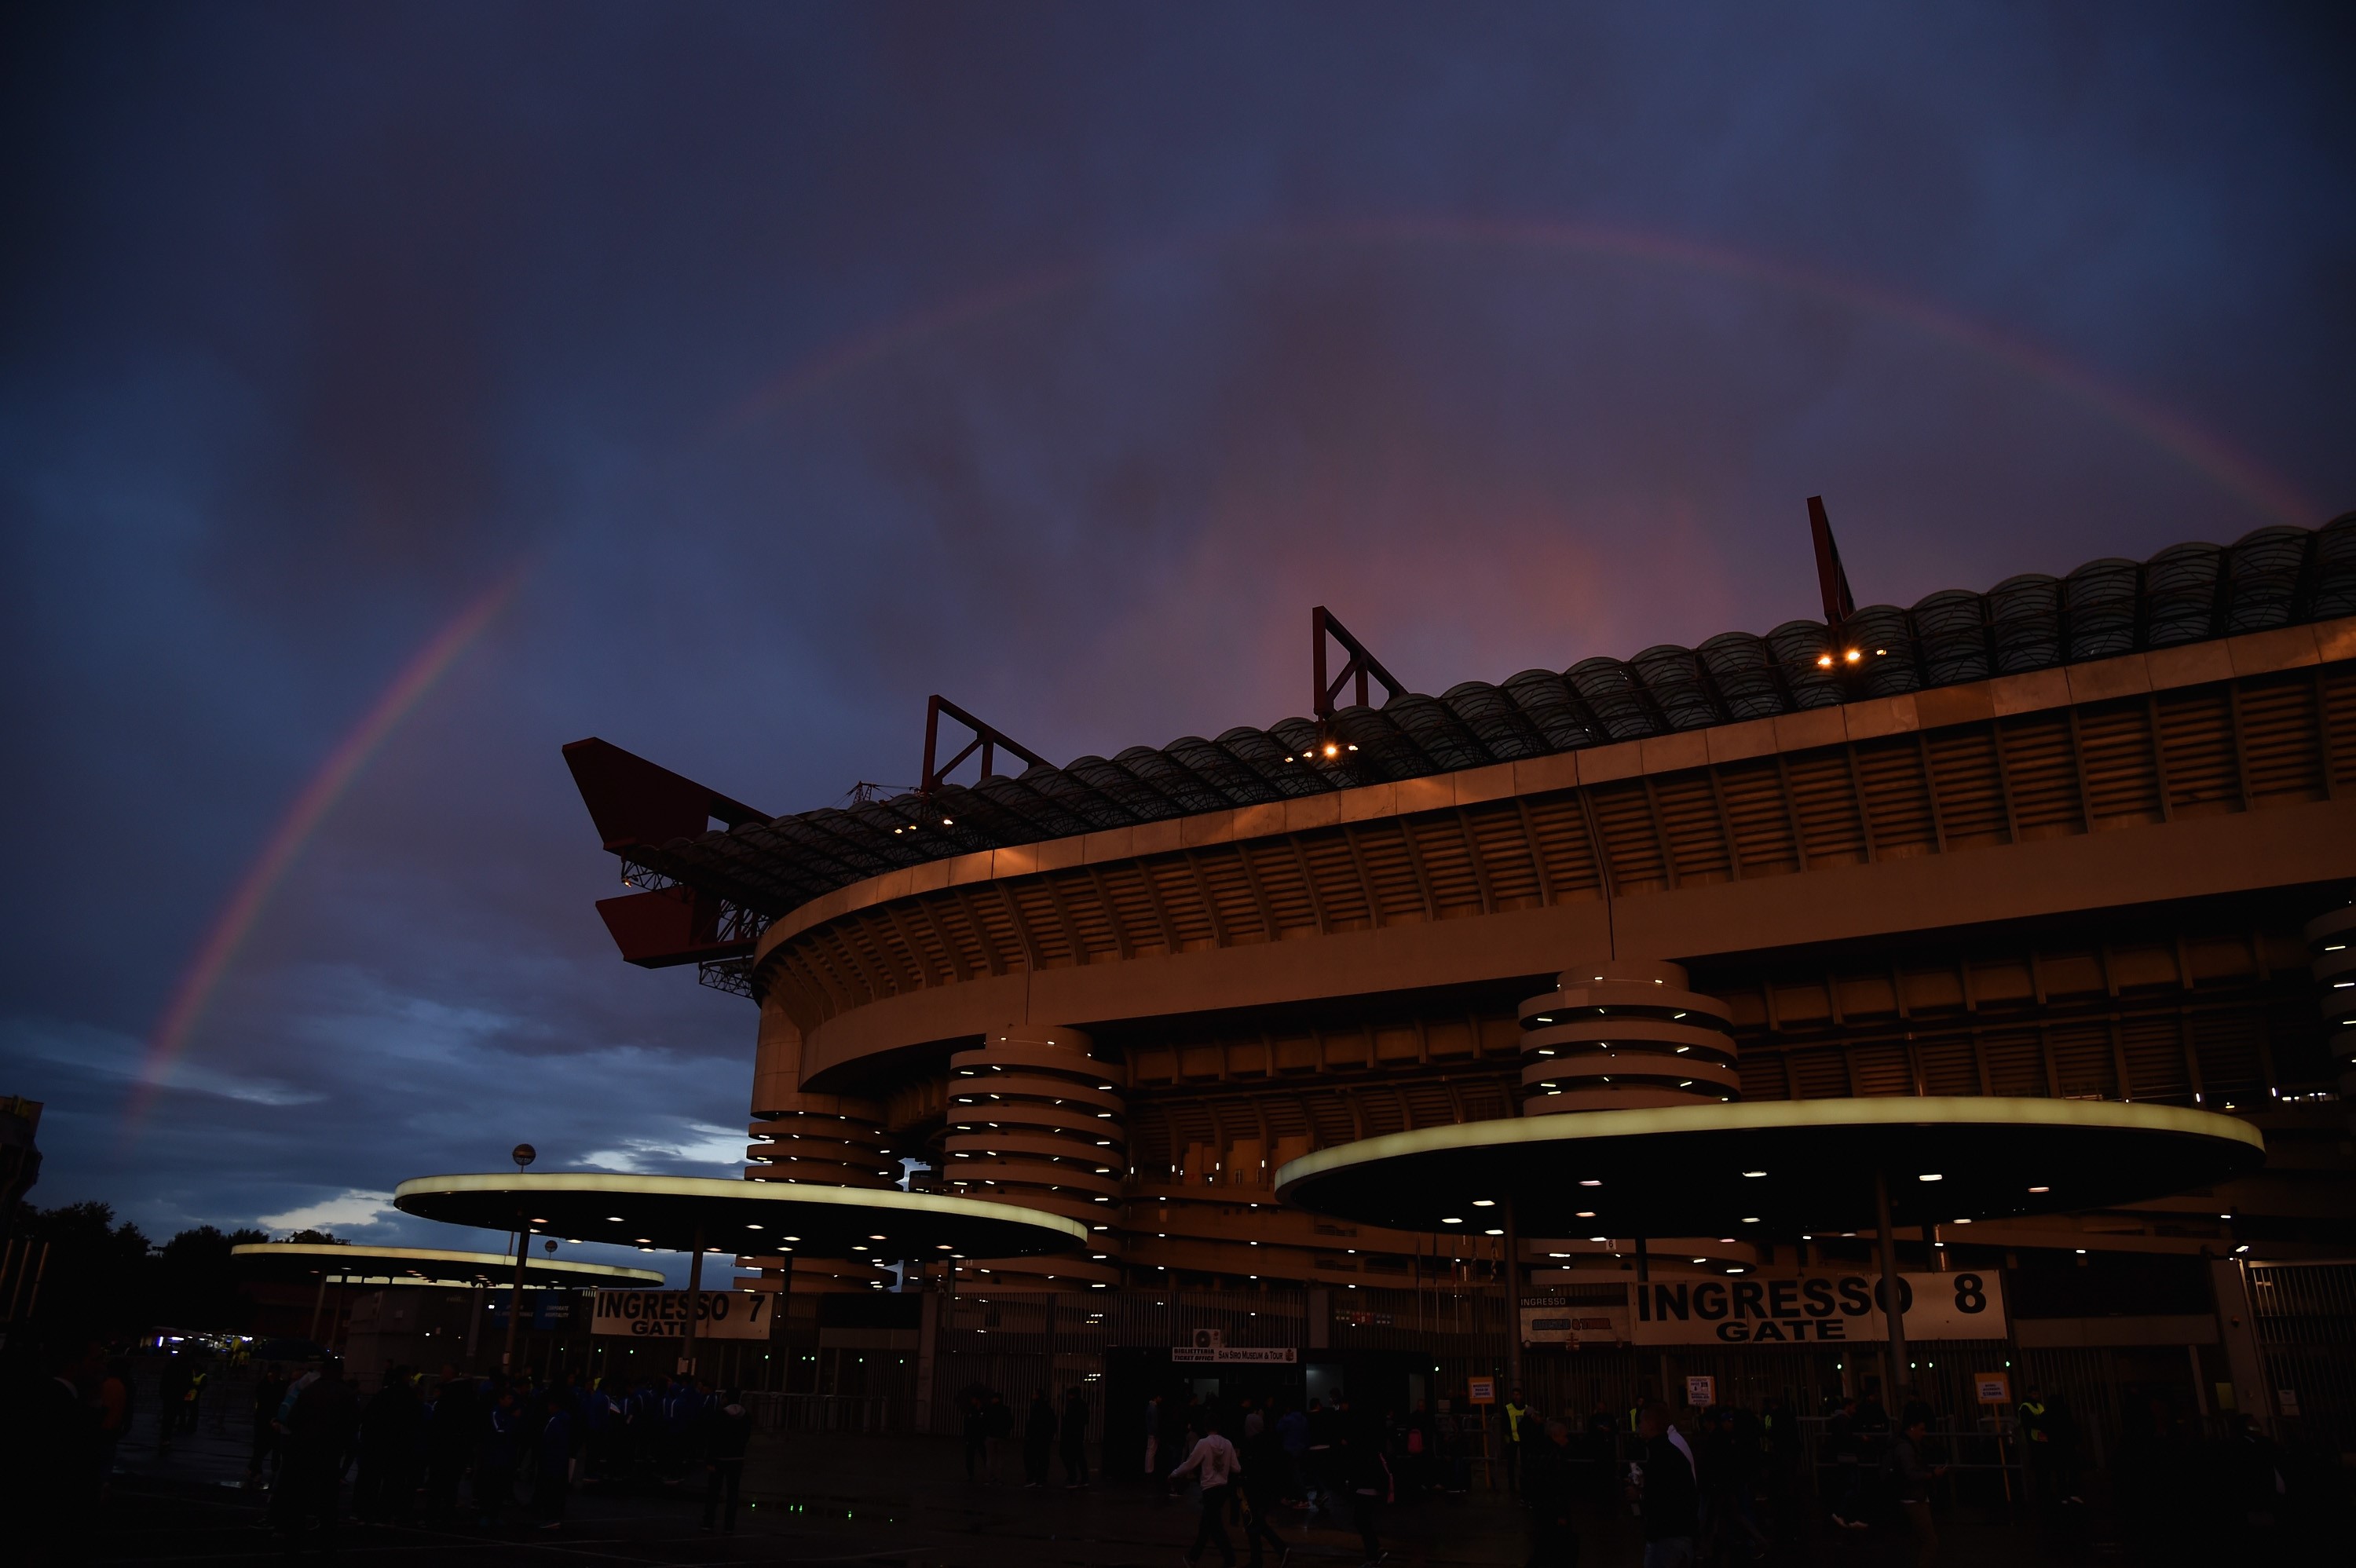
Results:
<point x="1075" y="1436"/>
<point x="1664" y="1488"/>
<point x="1366" y="1478"/>
<point x="551" y="1452"/>
<point x="320" y="1431"/>
<point x="113" y="1397"/>
<point x="1517" y="1411"/>
<point x="1913" y="1475"/>
<point x="727" y="1431"/>
<point x="171" y="1391"/>
<point x="1292" y="1441"/>
<point x="1038" y="1440"/>
<point x="1152" y="1430"/>
<point x="450" y="1432"/>
<point x="269" y="1388"/>
<point x="1548" y="1483"/>
<point x="977" y="1434"/>
<point x="998" y="1425"/>
<point x="499" y="1449"/>
<point x="393" y="1429"/>
<point x="1259" y="1487"/>
<point x="1214" y="1465"/>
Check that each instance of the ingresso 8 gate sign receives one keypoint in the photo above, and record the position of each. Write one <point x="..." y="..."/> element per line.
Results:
<point x="1815" y="1309"/>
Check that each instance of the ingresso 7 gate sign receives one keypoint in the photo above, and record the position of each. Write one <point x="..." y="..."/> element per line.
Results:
<point x="1815" y="1309"/>
<point x="662" y="1314"/>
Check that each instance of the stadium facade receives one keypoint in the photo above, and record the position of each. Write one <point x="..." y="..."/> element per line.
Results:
<point x="2092" y="836"/>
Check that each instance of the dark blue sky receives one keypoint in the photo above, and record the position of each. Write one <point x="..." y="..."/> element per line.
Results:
<point x="808" y="359"/>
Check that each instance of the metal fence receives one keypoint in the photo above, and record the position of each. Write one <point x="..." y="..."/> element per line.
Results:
<point x="2305" y="1316"/>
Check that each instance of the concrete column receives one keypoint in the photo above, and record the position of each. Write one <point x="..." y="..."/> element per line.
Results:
<point x="2252" y="1395"/>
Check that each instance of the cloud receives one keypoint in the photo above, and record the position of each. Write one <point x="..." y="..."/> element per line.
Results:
<point x="706" y="1146"/>
<point x="348" y="1211"/>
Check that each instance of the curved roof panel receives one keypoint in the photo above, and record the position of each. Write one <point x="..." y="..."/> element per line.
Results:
<point x="2188" y="592"/>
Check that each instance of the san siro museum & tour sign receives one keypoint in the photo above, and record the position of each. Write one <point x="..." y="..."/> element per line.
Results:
<point x="1795" y="1310"/>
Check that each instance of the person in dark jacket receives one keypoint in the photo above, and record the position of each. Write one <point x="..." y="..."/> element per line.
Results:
<point x="727" y="1430"/>
<point x="1366" y="1477"/>
<point x="1913" y="1475"/>
<point x="1038" y="1440"/>
<point x="1548" y="1483"/>
<point x="498" y="1449"/>
<point x="1260" y="1485"/>
<point x="977" y="1434"/>
<point x="269" y="1388"/>
<point x="450" y="1436"/>
<point x="320" y="1429"/>
<point x="998" y="1425"/>
<point x="48" y="1457"/>
<point x="1665" y="1489"/>
<point x="392" y="1434"/>
<point x="1076" y="1439"/>
<point x="552" y="1460"/>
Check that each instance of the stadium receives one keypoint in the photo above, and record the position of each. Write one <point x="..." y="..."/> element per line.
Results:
<point x="2088" y="840"/>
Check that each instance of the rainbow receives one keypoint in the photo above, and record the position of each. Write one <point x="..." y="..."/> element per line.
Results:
<point x="2233" y="472"/>
<point x="236" y="919"/>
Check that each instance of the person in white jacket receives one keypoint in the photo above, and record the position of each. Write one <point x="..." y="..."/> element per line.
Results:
<point x="1212" y="1461"/>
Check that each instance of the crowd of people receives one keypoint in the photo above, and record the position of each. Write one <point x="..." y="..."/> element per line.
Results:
<point x="461" y="1448"/>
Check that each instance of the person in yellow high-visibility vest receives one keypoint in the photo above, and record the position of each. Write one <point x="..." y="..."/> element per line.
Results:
<point x="1517" y="1414"/>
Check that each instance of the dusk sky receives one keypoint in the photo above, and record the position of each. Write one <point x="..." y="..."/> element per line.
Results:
<point x="391" y="394"/>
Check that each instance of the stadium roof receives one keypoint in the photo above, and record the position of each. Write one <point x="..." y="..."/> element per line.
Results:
<point x="2187" y="593"/>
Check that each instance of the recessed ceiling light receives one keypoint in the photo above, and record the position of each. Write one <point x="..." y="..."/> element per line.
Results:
<point x="2040" y="1190"/>
<point x="1484" y="1203"/>
<point x="1754" y="1173"/>
<point x="1930" y="1176"/>
<point x="1590" y="1183"/>
<point x="1584" y="1214"/>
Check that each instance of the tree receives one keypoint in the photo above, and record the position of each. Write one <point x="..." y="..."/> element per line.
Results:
<point x="95" y="1280"/>
<point x="197" y="1281"/>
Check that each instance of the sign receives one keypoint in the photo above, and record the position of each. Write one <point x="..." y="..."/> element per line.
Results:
<point x="1748" y="1310"/>
<point x="1236" y="1355"/>
<point x="1481" y="1391"/>
<point x="1357" y="1320"/>
<point x="1551" y="1320"/>
<point x="662" y="1314"/>
<point x="1993" y="1388"/>
<point x="1701" y="1392"/>
<point x="1208" y="1339"/>
<point x="2288" y="1398"/>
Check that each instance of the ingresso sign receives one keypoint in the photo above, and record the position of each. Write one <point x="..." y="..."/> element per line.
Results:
<point x="1808" y="1311"/>
<point x="662" y="1314"/>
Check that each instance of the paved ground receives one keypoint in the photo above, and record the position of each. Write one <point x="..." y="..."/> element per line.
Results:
<point x="906" y="1502"/>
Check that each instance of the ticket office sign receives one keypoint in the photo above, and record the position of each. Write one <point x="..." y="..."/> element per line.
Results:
<point x="662" y="1314"/>
<point x="1815" y="1309"/>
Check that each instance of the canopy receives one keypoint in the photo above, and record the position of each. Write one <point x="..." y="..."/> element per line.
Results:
<point x="1773" y="1166"/>
<point x="729" y="1215"/>
<point x="427" y="1265"/>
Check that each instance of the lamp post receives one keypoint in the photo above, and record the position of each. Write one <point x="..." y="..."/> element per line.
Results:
<point x="523" y="1155"/>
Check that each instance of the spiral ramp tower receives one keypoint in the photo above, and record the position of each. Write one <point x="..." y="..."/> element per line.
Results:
<point x="828" y="1140"/>
<point x="1625" y="1037"/>
<point x="1034" y="1120"/>
<point x="2331" y="944"/>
